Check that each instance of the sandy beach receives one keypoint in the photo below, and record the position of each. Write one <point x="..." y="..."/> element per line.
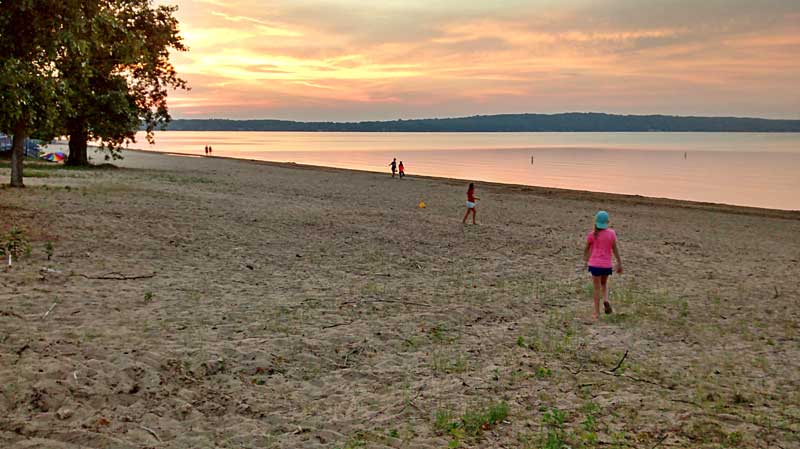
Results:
<point x="204" y="302"/>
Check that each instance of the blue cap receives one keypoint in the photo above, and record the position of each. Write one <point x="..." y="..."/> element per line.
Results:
<point x="601" y="220"/>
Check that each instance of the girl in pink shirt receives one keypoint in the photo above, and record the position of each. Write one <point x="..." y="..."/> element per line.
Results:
<point x="600" y="244"/>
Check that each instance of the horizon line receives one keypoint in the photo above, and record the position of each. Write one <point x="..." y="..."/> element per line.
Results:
<point x="492" y="115"/>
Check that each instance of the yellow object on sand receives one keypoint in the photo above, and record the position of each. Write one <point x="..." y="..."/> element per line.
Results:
<point x="422" y="204"/>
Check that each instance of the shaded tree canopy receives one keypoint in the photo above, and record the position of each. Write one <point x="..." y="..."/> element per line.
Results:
<point x="33" y="35"/>
<point x="119" y="79"/>
<point x="92" y="70"/>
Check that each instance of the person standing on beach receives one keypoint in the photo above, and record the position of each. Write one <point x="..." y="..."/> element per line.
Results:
<point x="600" y="244"/>
<point x="393" y="164"/>
<point x="206" y="150"/>
<point x="209" y="149"/>
<point x="401" y="170"/>
<point x="471" y="203"/>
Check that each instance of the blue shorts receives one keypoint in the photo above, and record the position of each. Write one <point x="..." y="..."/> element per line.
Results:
<point x="597" y="271"/>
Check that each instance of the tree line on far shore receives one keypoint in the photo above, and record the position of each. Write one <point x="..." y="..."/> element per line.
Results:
<point x="566" y="122"/>
<point x="86" y="69"/>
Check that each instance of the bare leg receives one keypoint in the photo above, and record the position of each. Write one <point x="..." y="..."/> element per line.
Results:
<point x="473" y="216"/>
<point x="597" y="287"/>
<point x="604" y="284"/>
<point x="465" y="217"/>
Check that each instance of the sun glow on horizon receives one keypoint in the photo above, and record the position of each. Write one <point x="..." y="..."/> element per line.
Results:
<point x="345" y="60"/>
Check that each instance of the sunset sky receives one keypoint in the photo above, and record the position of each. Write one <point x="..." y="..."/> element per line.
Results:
<point x="375" y="60"/>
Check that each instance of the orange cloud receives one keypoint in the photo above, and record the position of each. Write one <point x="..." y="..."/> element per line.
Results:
<point x="356" y="60"/>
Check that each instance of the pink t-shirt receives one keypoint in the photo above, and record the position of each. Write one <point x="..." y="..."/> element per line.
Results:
<point x="601" y="248"/>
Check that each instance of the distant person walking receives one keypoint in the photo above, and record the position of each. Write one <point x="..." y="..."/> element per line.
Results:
<point x="209" y="150"/>
<point x="471" y="203"/>
<point x="393" y="164"/>
<point x="402" y="170"/>
<point x="206" y="150"/>
<point x="600" y="244"/>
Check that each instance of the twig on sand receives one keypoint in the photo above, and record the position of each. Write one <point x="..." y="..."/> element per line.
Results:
<point x="151" y="432"/>
<point x="637" y="379"/>
<point x="660" y="440"/>
<point x="354" y="351"/>
<point x="50" y="310"/>
<point x="684" y="401"/>
<point x="405" y="402"/>
<point x="359" y="273"/>
<point x="552" y="304"/>
<point x="7" y="313"/>
<point x="117" y="276"/>
<point x="330" y="326"/>
<point x="407" y="303"/>
<point x="619" y="364"/>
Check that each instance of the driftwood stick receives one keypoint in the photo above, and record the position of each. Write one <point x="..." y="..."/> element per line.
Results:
<point x="151" y="432"/>
<point x="330" y="326"/>
<point x="117" y="276"/>
<point x="552" y="304"/>
<point x="407" y="303"/>
<point x="660" y="440"/>
<point x="50" y="310"/>
<point x="619" y="364"/>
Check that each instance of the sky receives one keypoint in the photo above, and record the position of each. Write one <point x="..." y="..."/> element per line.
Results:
<point x="348" y="60"/>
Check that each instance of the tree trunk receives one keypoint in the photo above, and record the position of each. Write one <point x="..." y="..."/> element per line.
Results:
<point x="18" y="154"/>
<point x="78" y="141"/>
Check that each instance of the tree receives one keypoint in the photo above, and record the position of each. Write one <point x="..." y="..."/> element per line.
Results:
<point x="32" y="35"/>
<point x="119" y="82"/>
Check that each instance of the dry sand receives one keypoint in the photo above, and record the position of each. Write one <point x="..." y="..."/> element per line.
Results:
<point x="283" y="306"/>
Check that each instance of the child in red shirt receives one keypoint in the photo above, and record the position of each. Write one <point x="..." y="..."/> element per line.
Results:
<point x="471" y="203"/>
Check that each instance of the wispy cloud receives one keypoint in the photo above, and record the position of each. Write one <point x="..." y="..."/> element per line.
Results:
<point x="349" y="59"/>
<point x="264" y="28"/>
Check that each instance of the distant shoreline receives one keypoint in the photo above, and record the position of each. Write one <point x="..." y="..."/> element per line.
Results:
<point x="528" y="123"/>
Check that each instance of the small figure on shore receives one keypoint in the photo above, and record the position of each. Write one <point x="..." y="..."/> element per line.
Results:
<point x="402" y="170"/>
<point x="600" y="244"/>
<point x="471" y="203"/>
<point x="393" y="164"/>
<point x="206" y="150"/>
<point x="209" y="149"/>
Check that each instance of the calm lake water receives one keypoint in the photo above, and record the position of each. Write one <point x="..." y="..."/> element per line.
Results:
<point x="748" y="169"/>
